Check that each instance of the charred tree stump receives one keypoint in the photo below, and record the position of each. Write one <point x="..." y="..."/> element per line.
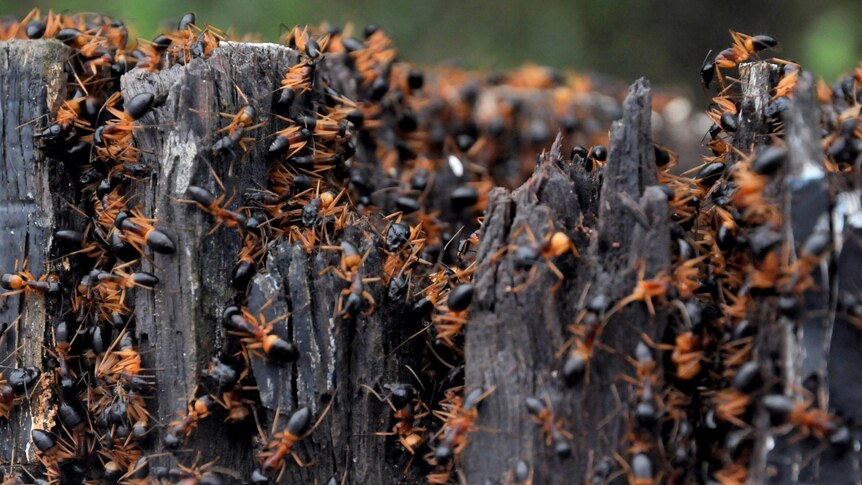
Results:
<point x="573" y="327"/>
<point x="513" y="337"/>
<point x="33" y="201"/>
<point x="336" y="355"/>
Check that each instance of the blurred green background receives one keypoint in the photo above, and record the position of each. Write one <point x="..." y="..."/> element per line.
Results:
<point x="663" y="40"/>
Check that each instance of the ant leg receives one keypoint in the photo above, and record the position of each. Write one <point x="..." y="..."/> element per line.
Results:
<point x="371" y="301"/>
<point x="241" y="94"/>
<point x="650" y="307"/>
<point x="499" y="253"/>
<point x="530" y="277"/>
<point x="299" y="461"/>
<point x="553" y="267"/>
<point x="214" y="229"/>
<point x="11" y="293"/>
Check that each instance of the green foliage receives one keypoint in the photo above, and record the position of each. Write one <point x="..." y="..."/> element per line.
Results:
<point x="664" y="40"/>
<point x="829" y="47"/>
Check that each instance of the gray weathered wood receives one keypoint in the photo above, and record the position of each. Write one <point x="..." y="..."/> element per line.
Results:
<point x="33" y="196"/>
<point x="513" y="338"/>
<point x="179" y="323"/>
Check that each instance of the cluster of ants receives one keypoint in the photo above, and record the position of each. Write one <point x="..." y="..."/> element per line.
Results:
<point x="424" y="148"/>
<point x="699" y="390"/>
<point x="438" y="148"/>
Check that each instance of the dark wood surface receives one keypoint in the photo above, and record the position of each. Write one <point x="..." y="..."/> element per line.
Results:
<point x="34" y="191"/>
<point x="514" y="339"/>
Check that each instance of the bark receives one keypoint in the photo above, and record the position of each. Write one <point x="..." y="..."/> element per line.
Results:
<point x="33" y="195"/>
<point x="522" y="325"/>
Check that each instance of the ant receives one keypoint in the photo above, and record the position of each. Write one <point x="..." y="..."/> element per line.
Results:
<point x="744" y="46"/>
<point x="450" y="319"/>
<point x="555" y="244"/>
<point x="254" y="248"/>
<point x="12" y="390"/>
<point x="114" y="138"/>
<point x="23" y="281"/>
<point x="808" y="419"/>
<point x="645" y="291"/>
<point x="206" y="474"/>
<point x="120" y="360"/>
<point x="577" y="365"/>
<point x="646" y="381"/>
<point x="552" y="429"/>
<point x="51" y="450"/>
<point x="640" y="471"/>
<point x="687" y="355"/>
<point x="298" y="80"/>
<point x="349" y="271"/>
<point x="291" y="140"/>
<point x="258" y="334"/>
<point x="355" y="294"/>
<point x="407" y="408"/>
<point x="459" y="415"/>
<point x="190" y="41"/>
<point x="180" y="429"/>
<point x="139" y="231"/>
<point x="303" y="41"/>
<point x="119" y="280"/>
<point x="282" y="442"/>
<point x="208" y="203"/>
<point x="240" y="122"/>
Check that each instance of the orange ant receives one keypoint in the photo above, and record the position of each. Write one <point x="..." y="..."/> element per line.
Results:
<point x="303" y="41"/>
<point x="298" y="80"/>
<point x="744" y="46"/>
<point x="789" y="79"/>
<point x="687" y="355"/>
<point x="36" y="26"/>
<point x="51" y="450"/>
<point x="640" y="471"/>
<point x="139" y="231"/>
<point x="355" y="295"/>
<point x="13" y="389"/>
<point x="190" y="41"/>
<point x="730" y="404"/>
<point x="552" y="429"/>
<point x="732" y="474"/>
<point x="180" y="429"/>
<point x="240" y="122"/>
<point x="577" y="364"/>
<point x="114" y="141"/>
<point x="291" y="140"/>
<point x="23" y="281"/>
<point x="646" y="410"/>
<point x="208" y="203"/>
<point x="351" y="260"/>
<point x="258" y="334"/>
<point x="120" y="359"/>
<point x="459" y="416"/>
<point x="645" y="291"/>
<point x="206" y="474"/>
<point x="373" y="59"/>
<point x="236" y="406"/>
<point x="350" y="264"/>
<point x="449" y="319"/>
<point x="119" y="280"/>
<point x="554" y="245"/>
<point x="808" y="419"/>
<point x="282" y="442"/>
<point x="407" y="408"/>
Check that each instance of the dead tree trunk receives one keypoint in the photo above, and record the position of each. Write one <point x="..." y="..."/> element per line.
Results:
<point x="33" y="195"/>
<point x="513" y="339"/>
<point x="526" y="324"/>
